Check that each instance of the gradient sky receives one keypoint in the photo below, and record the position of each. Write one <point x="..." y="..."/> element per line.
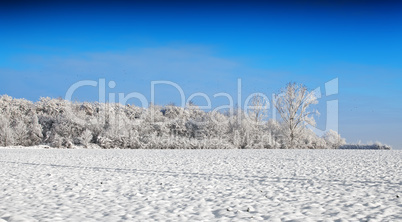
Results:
<point x="205" y="47"/>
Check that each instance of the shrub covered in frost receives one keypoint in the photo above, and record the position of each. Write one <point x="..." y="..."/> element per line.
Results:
<point x="374" y="146"/>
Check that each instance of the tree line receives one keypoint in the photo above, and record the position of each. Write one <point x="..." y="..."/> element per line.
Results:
<point x="62" y="123"/>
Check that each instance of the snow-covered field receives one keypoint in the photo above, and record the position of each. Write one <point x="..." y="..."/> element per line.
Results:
<point x="181" y="185"/>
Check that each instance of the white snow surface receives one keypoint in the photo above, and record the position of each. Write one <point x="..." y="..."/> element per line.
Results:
<point x="39" y="184"/>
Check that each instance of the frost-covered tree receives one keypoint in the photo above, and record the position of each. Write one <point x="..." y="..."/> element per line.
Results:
<point x="20" y="133"/>
<point x="35" y="135"/>
<point x="293" y="104"/>
<point x="86" y="137"/>
<point x="259" y="110"/>
<point x="333" y="139"/>
<point x="6" y="133"/>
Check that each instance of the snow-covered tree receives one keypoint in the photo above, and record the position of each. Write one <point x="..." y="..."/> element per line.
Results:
<point x="6" y="133"/>
<point x="85" y="137"/>
<point x="35" y="135"/>
<point x="20" y="133"/>
<point x="259" y="110"/>
<point x="293" y="104"/>
<point x="333" y="139"/>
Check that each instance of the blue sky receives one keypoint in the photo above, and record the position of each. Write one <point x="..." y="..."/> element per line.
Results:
<point x="205" y="47"/>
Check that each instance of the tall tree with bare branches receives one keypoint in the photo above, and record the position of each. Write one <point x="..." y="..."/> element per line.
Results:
<point x="293" y="104"/>
<point x="259" y="110"/>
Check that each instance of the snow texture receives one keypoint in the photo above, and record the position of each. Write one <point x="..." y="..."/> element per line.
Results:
<point x="210" y="185"/>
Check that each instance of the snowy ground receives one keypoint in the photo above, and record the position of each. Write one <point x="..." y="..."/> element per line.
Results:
<point x="180" y="185"/>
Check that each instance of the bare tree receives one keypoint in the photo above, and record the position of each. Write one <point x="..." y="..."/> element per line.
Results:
<point x="259" y="109"/>
<point x="292" y="104"/>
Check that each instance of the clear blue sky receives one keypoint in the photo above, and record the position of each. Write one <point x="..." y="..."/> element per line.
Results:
<point x="205" y="47"/>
